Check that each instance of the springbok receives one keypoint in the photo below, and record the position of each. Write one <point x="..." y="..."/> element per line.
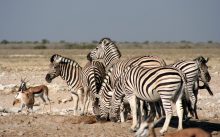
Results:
<point x="149" y="131"/>
<point x="26" y="98"/>
<point x="38" y="91"/>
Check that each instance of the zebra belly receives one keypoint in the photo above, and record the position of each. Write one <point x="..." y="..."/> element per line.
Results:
<point x="152" y="96"/>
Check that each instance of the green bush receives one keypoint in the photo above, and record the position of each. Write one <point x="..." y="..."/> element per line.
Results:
<point x="40" y="47"/>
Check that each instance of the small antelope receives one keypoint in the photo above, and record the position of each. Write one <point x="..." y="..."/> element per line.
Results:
<point x="26" y="98"/>
<point x="38" y="91"/>
<point x="190" y="132"/>
<point x="149" y="131"/>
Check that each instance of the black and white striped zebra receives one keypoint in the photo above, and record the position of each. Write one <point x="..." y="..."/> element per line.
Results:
<point x="79" y="80"/>
<point x="165" y="83"/>
<point x="114" y="73"/>
<point x="106" y="50"/>
<point x="194" y="70"/>
<point x="93" y="74"/>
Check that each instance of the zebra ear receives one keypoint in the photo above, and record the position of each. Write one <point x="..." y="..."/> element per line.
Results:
<point x="57" y="60"/>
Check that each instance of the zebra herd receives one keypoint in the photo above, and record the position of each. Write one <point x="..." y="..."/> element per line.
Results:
<point x="145" y="82"/>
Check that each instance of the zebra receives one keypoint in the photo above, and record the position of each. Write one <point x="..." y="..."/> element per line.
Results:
<point x="165" y="83"/>
<point x="114" y="73"/>
<point x="80" y="80"/>
<point x="108" y="51"/>
<point x="92" y="74"/>
<point x="194" y="70"/>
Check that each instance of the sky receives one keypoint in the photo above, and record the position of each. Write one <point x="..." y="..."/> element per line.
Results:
<point x="120" y="20"/>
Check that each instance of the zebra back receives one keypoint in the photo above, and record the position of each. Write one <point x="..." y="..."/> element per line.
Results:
<point x="93" y="74"/>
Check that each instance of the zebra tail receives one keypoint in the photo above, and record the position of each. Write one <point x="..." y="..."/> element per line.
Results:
<point x="183" y="76"/>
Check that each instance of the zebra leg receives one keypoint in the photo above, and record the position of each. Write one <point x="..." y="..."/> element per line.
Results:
<point x="122" y="112"/>
<point x="80" y="96"/>
<point x="87" y="105"/>
<point x="133" y="104"/>
<point x="143" y="110"/>
<point x="195" y="91"/>
<point x="85" y="100"/>
<point x="75" y="102"/>
<point x="168" y="111"/>
<point x="192" y="96"/>
<point x="179" y="108"/>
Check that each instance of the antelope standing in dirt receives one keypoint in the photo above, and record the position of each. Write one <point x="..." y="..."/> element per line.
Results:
<point x="26" y="98"/>
<point x="38" y="91"/>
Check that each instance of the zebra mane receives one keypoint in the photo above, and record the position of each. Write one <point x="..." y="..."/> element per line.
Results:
<point x="201" y="59"/>
<point x="104" y="39"/>
<point x="111" y="43"/>
<point x="64" y="60"/>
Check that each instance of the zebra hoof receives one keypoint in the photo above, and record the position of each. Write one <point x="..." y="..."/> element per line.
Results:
<point x="113" y="119"/>
<point x="132" y="130"/>
<point x="102" y="118"/>
<point x="162" y="132"/>
<point x="98" y="117"/>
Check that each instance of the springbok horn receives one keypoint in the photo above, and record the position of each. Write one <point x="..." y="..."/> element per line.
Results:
<point x="207" y="59"/>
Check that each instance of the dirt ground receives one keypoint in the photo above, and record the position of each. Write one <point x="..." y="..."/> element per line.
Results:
<point x="33" y="64"/>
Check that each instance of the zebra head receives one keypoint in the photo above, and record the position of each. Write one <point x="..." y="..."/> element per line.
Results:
<point x="106" y="50"/>
<point x="54" y="68"/>
<point x="203" y="68"/>
<point x="99" y="51"/>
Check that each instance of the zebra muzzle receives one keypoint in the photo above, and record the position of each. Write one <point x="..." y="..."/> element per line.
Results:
<point x="48" y="78"/>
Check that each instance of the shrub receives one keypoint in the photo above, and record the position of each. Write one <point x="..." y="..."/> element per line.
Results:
<point x="40" y="47"/>
<point x="4" y="42"/>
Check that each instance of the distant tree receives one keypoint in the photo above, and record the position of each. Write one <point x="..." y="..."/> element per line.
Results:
<point x="185" y="41"/>
<point x="45" y="41"/>
<point x="146" y="42"/>
<point x="40" y="47"/>
<point x="210" y="42"/>
<point x="62" y="41"/>
<point x="95" y="42"/>
<point x="35" y="42"/>
<point x="4" y="41"/>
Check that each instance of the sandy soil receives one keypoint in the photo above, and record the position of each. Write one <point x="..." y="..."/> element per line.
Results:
<point x="15" y="64"/>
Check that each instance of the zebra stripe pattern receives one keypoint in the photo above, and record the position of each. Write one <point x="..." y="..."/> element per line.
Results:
<point x="92" y="74"/>
<point x="106" y="50"/>
<point x="114" y="73"/>
<point x="165" y="83"/>
<point x="194" y="70"/>
<point x="78" y="79"/>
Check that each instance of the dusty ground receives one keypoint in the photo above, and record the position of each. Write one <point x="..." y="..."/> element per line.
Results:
<point x="33" y="64"/>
